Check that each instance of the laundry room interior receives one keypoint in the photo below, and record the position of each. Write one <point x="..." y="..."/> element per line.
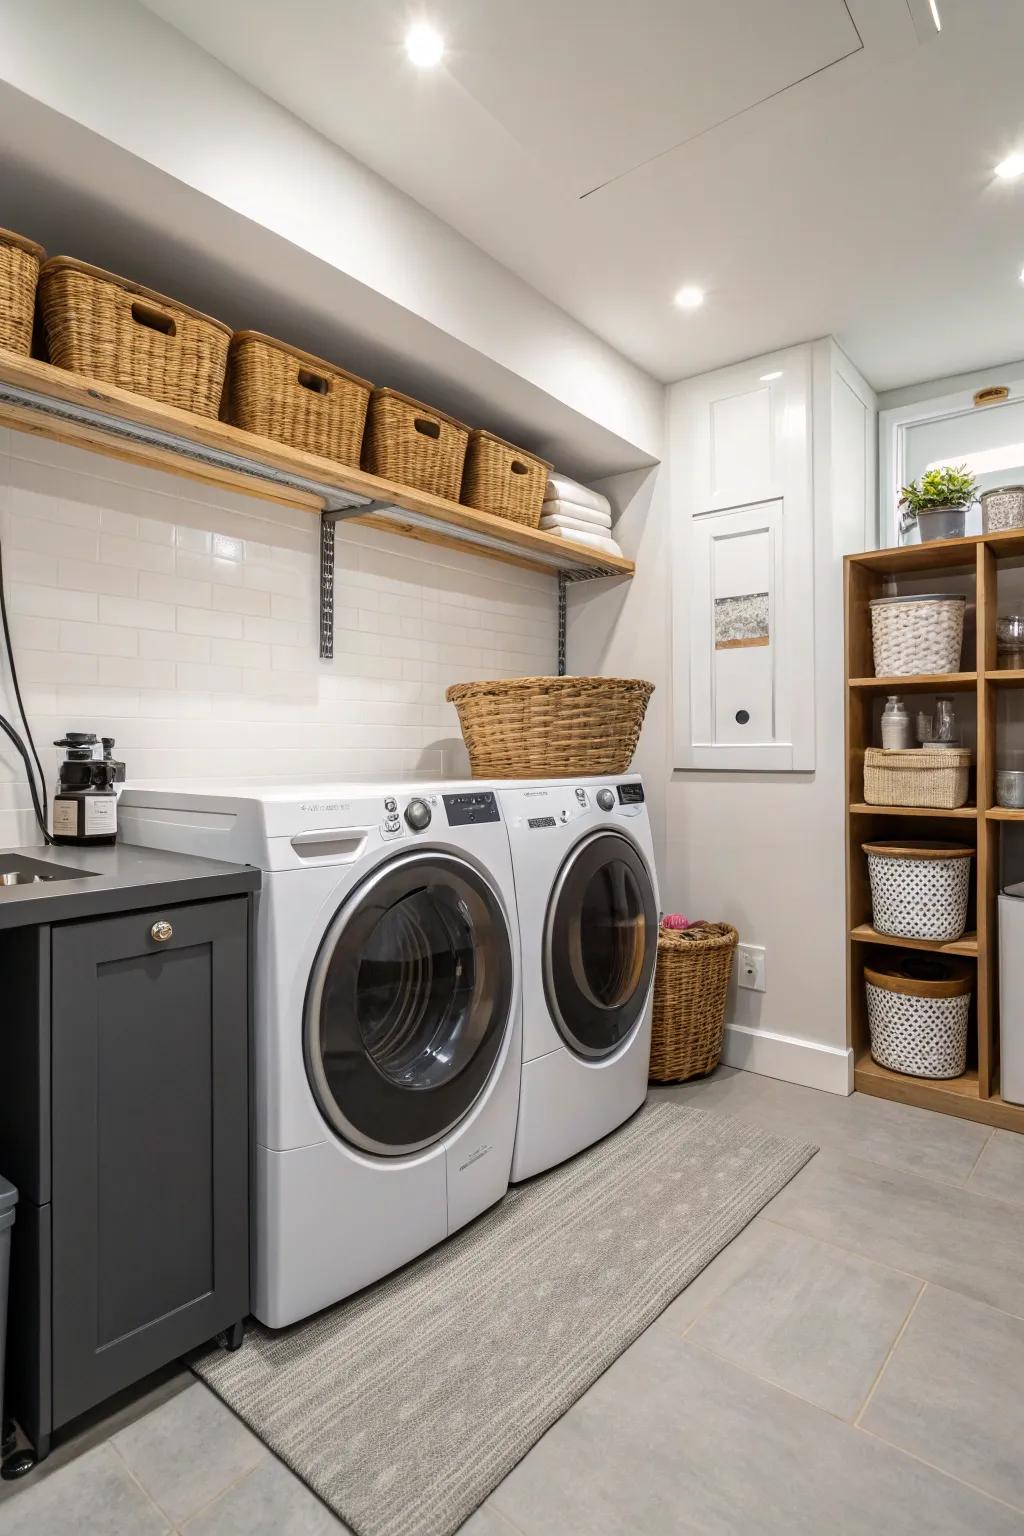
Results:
<point x="512" y="768"/>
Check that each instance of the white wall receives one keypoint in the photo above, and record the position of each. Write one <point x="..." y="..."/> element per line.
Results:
<point x="118" y="71"/>
<point x="183" y="621"/>
<point x="764" y="851"/>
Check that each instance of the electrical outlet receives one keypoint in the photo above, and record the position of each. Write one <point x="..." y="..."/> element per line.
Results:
<point x="750" y="967"/>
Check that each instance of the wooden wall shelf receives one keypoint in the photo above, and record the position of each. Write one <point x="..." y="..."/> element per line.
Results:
<point x="975" y="1095"/>
<point x="38" y="398"/>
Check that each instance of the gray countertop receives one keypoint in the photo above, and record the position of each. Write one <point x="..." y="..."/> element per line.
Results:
<point x="93" y="882"/>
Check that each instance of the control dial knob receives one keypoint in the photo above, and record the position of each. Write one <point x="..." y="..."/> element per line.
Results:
<point x="605" y="799"/>
<point x="417" y="814"/>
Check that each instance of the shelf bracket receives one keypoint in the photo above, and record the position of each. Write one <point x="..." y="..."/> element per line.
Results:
<point x="565" y="576"/>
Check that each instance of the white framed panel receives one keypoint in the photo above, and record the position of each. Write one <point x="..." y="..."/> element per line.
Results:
<point x="743" y="607"/>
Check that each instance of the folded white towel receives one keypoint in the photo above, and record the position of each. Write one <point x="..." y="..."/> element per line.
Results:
<point x="592" y="540"/>
<point x="578" y="514"/>
<point x="561" y="488"/>
<point x="567" y="525"/>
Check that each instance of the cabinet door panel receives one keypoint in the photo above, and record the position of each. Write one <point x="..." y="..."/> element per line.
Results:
<point x="150" y="1158"/>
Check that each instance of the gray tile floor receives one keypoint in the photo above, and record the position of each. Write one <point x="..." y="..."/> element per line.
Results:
<point x="852" y="1363"/>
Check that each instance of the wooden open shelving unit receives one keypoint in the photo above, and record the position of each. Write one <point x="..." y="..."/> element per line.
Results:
<point x="975" y="1095"/>
<point x="38" y="398"/>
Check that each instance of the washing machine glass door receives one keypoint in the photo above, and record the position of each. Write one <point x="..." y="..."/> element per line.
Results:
<point x="600" y="943"/>
<point x="408" y="1002"/>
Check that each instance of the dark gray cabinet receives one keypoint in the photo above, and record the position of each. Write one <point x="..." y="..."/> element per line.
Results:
<point x="136" y="1162"/>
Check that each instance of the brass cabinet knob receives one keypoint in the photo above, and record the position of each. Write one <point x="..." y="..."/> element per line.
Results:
<point x="161" y="932"/>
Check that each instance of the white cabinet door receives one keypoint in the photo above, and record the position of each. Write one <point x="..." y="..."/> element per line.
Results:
<point x="744" y="570"/>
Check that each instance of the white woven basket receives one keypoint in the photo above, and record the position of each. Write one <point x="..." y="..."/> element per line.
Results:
<point x="1003" y="508"/>
<point x="917" y="1025"/>
<point x="917" y="634"/>
<point x="919" y="890"/>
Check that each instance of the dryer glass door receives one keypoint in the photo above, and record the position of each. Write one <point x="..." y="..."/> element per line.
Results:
<point x="408" y="1003"/>
<point x="600" y="944"/>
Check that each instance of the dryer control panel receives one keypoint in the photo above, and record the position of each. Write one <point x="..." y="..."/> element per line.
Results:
<point x="466" y="809"/>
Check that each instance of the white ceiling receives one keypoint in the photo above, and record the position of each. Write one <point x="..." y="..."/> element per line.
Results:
<point x="817" y="166"/>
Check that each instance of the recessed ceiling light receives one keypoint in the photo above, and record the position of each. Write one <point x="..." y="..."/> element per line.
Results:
<point x="1022" y="274"/>
<point x="934" y="4"/>
<point x="424" y="45"/>
<point x="1011" y="167"/>
<point x="766" y="378"/>
<point x="689" y="297"/>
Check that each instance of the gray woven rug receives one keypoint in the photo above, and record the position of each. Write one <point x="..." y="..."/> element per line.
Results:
<point x="405" y="1406"/>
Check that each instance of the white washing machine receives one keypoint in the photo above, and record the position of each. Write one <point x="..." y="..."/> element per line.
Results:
<point x="587" y="894"/>
<point x="387" y="1037"/>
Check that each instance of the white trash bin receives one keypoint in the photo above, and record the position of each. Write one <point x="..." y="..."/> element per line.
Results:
<point x="1011" y="993"/>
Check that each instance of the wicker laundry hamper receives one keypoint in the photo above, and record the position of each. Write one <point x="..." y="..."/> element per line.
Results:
<point x="20" y="260"/>
<point x="116" y="332"/>
<point x="939" y="780"/>
<point x="501" y="479"/>
<point x="277" y="391"/>
<point x="414" y="445"/>
<point x="551" y="727"/>
<point x="917" y="634"/>
<point x="690" y="988"/>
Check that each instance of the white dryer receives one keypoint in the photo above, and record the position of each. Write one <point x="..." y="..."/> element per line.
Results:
<point x="387" y="1040"/>
<point x="587" y="894"/>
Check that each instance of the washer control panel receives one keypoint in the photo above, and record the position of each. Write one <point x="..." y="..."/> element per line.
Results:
<point x="473" y="806"/>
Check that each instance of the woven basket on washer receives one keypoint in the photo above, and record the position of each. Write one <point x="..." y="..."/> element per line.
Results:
<point x="414" y="445"/>
<point x="919" y="889"/>
<point x="295" y="398"/>
<point x="20" y="260"/>
<point x="690" y="987"/>
<point x="119" y="333"/>
<point x="917" y="1014"/>
<point x="551" y="727"/>
<point x="501" y="479"/>
<point x="939" y="780"/>
<point x="922" y="634"/>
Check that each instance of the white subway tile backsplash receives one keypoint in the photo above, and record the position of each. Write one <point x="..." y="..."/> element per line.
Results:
<point x="183" y="620"/>
<point x="204" y="621"/>
<point x="99" y="639"/>
<point x="142" y="615"/>
<point x="115" y="550"/>
<point x="51" y="602"/>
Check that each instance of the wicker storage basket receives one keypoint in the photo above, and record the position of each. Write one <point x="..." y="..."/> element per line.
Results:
<point x="414" y="445"/>
<point x="114" y="331"/>
<point x="1002" y="508"/>
<point x="295" y="398"/>
<point x="939" y="780"/>
<point x="690" y="986"/>
<point x="917" y="1015"/>
<point x="551" y="727"/>
<point x="20" y="260"/>
<point x="500" y="478"/>
<point x="919" y="889"/>
<point x="917" y="634"/>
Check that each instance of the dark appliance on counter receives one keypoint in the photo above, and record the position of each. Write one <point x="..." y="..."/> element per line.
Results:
<point x="85" y="801"/>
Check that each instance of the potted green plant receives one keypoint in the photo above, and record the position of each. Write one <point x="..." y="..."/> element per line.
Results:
<point x="939" y="501"/>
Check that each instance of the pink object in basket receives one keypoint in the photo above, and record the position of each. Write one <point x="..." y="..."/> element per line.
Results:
<point x="677" y="920"/>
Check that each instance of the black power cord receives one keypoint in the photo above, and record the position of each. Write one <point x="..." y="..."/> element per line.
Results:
<point x="40" y="809"/>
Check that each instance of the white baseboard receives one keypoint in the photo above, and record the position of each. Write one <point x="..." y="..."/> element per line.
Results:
<point x="806" y="1062"/>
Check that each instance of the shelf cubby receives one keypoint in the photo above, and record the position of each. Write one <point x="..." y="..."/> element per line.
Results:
<point x="970" y="566"/>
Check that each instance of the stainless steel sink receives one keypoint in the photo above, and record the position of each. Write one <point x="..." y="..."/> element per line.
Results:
<point x="16" y="870"/>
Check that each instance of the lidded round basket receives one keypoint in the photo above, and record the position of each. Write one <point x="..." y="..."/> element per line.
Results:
<point x="918" y="1009"/>
<point x="922" y="633"/>
<point x="551" y="727"/>
<point x="690" y="988"/>
<point x="919" y="889"/>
